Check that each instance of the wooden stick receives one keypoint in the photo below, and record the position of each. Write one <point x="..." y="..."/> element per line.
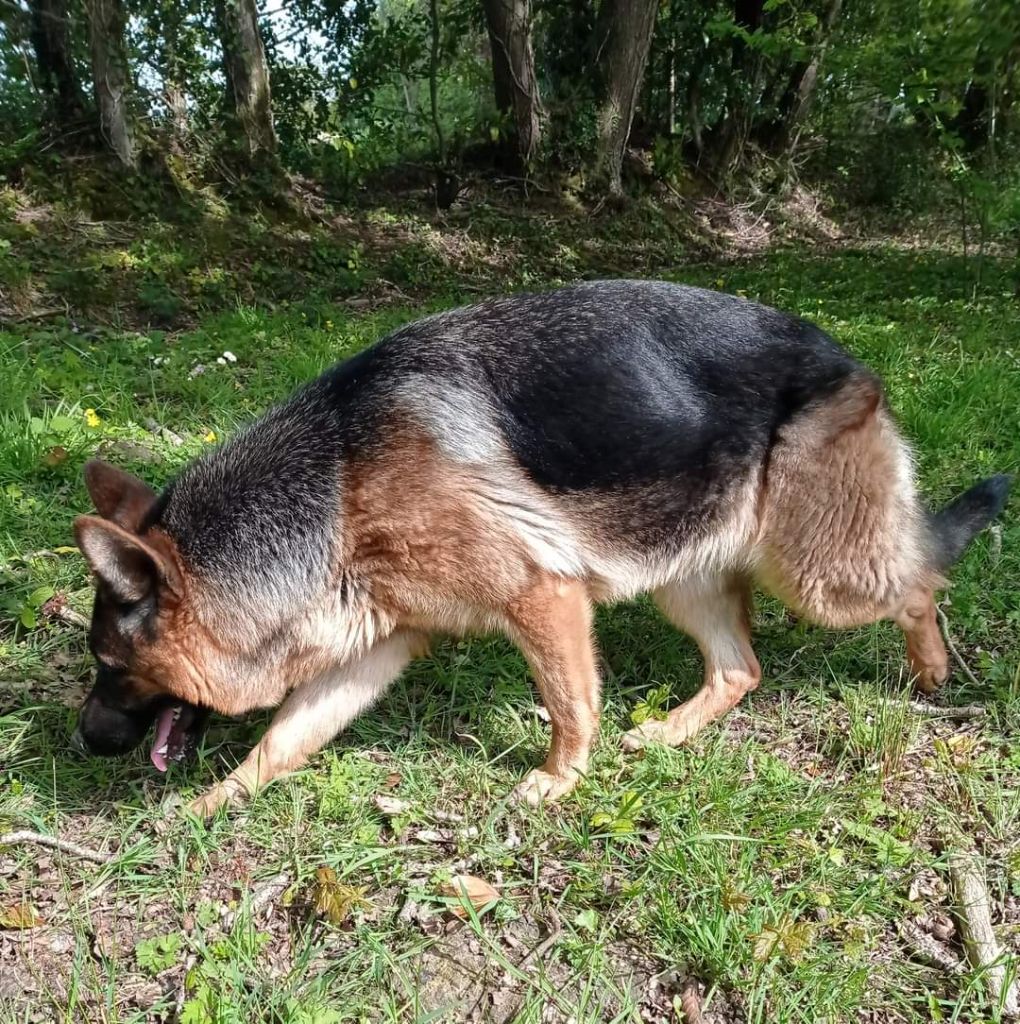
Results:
<point x="944" y="622"/>
<point x="971" y="899"/>
<point x="919" y="707"/>
<point x="65" y="845"/>
<point x="65" y="614"/>
<point x="263" y="895"/>
<point x="165" y="432"/>
<point x="929" y="950"/>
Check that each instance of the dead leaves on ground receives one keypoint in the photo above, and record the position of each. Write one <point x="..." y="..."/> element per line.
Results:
<point x="332" y="899"/>
<point x="391" y="806"/>
<point x="468" y="890"/>
<point x="19" y="917"/>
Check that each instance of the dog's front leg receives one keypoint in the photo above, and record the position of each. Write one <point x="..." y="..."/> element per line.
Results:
<point x="310" y="717"/>
<point x="552" y="624"/>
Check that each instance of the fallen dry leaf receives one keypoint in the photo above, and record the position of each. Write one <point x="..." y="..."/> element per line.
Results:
<point x="469" y="889"/>
<point x="432" y="835"/>
<point x="334" y="900"/>
<point x="391" y="805"/>
<point x="19" y="917"/>
<point x="787" y="936"/>
<point x="55" y="456"/>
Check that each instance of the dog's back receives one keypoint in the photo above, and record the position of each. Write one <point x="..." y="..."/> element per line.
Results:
<point x="636" y="414"/>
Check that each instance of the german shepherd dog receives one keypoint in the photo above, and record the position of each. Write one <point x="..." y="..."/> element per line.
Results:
<point x="504" y="467"/>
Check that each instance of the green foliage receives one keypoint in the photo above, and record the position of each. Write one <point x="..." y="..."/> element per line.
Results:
<point x="159" y="953"/>
<point x="897" y="108"/>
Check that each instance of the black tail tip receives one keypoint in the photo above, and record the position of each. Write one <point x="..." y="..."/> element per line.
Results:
<point x="990" y="495"/>
<point x="958" y="523"/>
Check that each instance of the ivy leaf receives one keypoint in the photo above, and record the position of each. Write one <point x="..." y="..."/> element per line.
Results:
<point x="587" y="920"/>
<point x="159" y="953"/>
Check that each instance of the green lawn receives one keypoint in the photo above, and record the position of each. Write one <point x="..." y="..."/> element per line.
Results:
<point x="775" y="860"/>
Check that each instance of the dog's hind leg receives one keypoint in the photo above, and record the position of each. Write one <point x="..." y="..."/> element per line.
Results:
<point x="715" y="613"/>
<point x="310" y="717"/>
<point x="552" y="624"/>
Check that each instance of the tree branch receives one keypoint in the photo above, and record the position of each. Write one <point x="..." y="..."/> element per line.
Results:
<point x="54" y="843"/>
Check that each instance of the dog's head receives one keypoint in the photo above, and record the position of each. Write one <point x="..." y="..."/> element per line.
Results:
<point x="140" y="627"/>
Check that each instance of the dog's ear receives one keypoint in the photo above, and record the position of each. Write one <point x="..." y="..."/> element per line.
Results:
<point x="131" y="568"/>
<point x="118" y="496"/>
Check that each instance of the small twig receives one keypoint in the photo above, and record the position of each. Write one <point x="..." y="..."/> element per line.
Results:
<point x="68" y="615"/>
<point x="182" y="992"/>
<point x="929" y="950"/>
<point x="263" y="895"/>
<point x="690" y="1002"/>
<point x="18" y="838"/>
<point x="165" y="432"/>
<point x="983" y="951"/>
<point x="555" y="931"/>
<point x="995" y="543"/>
<point x="964" y="712"/>
<point x="944" y="623"/>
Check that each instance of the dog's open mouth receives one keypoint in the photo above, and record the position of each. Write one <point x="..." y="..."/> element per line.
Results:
<point x="178" y="728"/>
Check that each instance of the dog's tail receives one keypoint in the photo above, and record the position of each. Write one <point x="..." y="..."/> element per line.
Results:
<point x="955" y="526"/>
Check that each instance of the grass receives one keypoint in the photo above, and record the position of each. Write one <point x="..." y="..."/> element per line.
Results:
<point x="773" y="859"/>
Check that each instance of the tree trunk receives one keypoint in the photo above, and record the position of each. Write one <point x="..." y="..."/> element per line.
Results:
<point x="973" y="122"/>
<point x="800" y="90"/>
<point x="627" y="36"/>
<point x="111" y="78"/>
<point x="671" y="90"/>
<point x="513" y="74"/>
<point x="244" y="63"/>
<point x="175" y="88"/>
<point x="725" y="144"/>
<point x="51" y="40"/>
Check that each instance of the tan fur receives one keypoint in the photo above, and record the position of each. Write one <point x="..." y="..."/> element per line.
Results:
<point x="311" y="716"/>
<point x="552" y="623"/>
<point x="841" y="542"/>
<point x="926" y="651"/>
<point x="715" y="611"/>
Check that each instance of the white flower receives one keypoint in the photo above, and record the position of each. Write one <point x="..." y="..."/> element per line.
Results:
<point x="229" y="357"/>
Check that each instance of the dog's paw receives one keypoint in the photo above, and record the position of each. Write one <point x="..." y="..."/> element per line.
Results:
<point x="206" y="805"/>
<point x="542" y="787"/>
<point x="218" y="796"/>
<point x="646" y="733"/>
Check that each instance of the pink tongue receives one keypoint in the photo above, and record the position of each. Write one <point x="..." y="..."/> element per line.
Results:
<point x="163" y="727"/>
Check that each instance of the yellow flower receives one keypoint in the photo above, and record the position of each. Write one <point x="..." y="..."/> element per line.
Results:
<point x="210" y="436"/>
<point x="91" y="418"/>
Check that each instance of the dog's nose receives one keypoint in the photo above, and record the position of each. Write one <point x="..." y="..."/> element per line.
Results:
<point x="78" y="741"/>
